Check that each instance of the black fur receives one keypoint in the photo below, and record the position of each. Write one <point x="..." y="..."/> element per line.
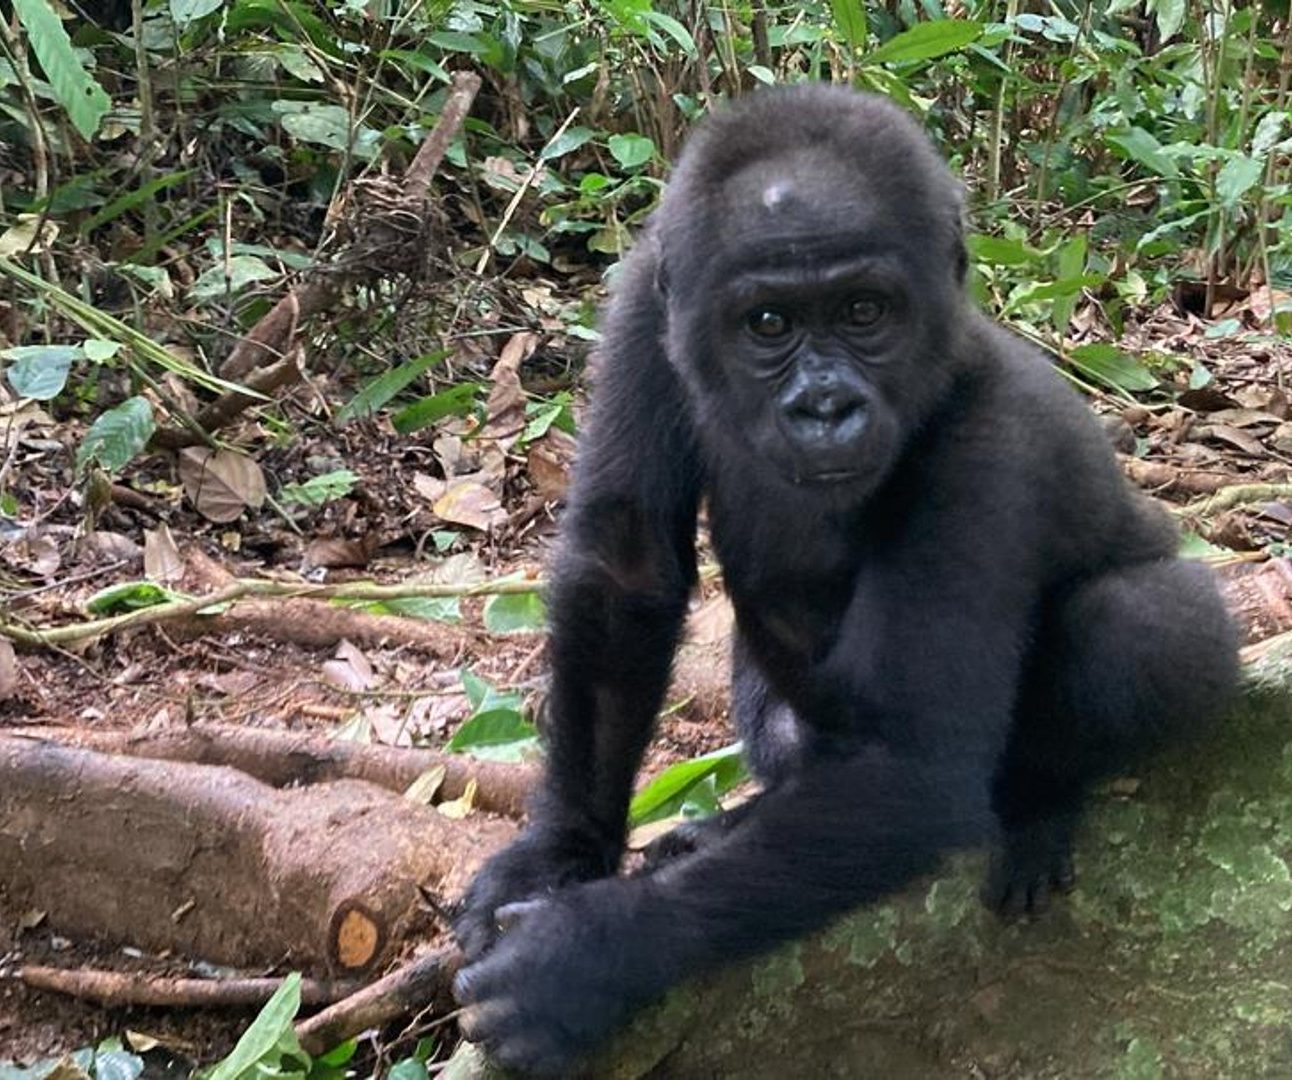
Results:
<point x="953" y="614"/>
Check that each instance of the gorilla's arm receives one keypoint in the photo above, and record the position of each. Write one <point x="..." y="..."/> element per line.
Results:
<point x="619" y="593"/>
<point x="838" y="833"/>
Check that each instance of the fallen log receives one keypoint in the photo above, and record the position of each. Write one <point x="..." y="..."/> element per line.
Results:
<point x="329" y="879"/>
<point x="282" y="758"/>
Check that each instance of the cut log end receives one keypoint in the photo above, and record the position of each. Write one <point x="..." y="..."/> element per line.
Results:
<point x="356" y="937"/>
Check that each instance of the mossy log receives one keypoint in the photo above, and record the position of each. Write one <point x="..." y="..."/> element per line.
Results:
<point x="1173" y="957"/>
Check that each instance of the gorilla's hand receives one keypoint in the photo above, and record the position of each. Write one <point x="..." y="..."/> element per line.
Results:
<point x="532" y="868"/>
<point x="564" y="973"/>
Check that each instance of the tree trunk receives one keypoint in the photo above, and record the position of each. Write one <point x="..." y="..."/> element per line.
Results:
<point x="1173" y="957"/>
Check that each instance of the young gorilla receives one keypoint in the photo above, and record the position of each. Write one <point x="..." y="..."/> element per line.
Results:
<point x="952" y="612"/>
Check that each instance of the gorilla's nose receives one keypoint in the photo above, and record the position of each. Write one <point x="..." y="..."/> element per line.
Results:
<point x="827" y="414"/>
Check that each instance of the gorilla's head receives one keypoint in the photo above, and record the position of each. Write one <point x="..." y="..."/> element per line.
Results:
<point x="813" y="265"/>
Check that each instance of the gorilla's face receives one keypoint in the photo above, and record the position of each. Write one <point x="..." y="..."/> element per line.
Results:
<point x="805" y="354"/>
<point x="799" y="334"/>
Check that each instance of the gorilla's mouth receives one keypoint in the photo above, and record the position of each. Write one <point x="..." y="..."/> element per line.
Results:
<point x="828" y="476"/>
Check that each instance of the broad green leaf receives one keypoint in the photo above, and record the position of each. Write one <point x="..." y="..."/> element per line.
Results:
<point x="1268" y="132"/>
<point x="514" y="613"/>
<point x="129" y="596"/>
<point x="73" y="86"/>
<point x="762" y="74"/>
<point x="1138" y="145"/>
<point x="327" y="125"/>
<point x="455" y="401"/>
<point x="1170" y="16"/>
<point x="496" y="728"/>
<point x="570" y="139"/>
<point x="1071" y="261"/>
<point x="928" y="40"/>
<point x="408" y="1069"/>
<point x="483" y="696"/>
<point x="118" y="435"/>
<point x="850" y="18"/>
<point x="1112" y="367"/>
<point x="1052" y="290"/>
<point x="673" y="29"/>
<point x="631" y="151"/>
<point x="319" y="490"/>
<point x="262" y="1044"/>
<point x="40" y="372"/>
<point x="445" y="609"/>
<point x="386" y="385"/>
<point x="189" y="11"/>
<point x="98" y="350"/>
<point x="1237" y="177"/>
<point x="999" y="251"/>
<point x="456" y="41"/>
<point x="239" y="272"/>
<point x="663" y="795"/>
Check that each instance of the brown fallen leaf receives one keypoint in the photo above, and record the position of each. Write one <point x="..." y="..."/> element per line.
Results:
<point x="220" y="483"/>
<point x="162" y="561"/>
<point x="471" y="504"/>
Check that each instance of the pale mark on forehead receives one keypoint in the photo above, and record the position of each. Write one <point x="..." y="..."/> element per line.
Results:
<point x="776" y="194"/>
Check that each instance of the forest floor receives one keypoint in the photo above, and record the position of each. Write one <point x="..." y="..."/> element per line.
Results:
<point x="395" y="525"/>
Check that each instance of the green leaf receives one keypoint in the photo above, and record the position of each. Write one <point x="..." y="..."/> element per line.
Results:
<point x="925" y="41"/>
<point x="998" y="251"/>
<point x="385" y="386"/>
<point x="1071" y="261"/>
<point x="497" y="727"/>
<point x="269" y="1037"/>
<point x="569" y="140"/>
<point x="673" y="29"/>
<point x="118" y="435"/>
<point x="485" y="697"/>
<point x="231" y="276"/>
<point x="456" y="41"/>
<point x="129" y="596"/>
<point x="1112" y="367"/>
<point x="1170" y="16"/>
<point x="1237" y="177"/>
<point x="455" y="401"/>
<point x="850" y="18"/>
<point x="40" y="372"/>
<point x="663" y="795"/>
<point x="185" y="12"/>
<point x="73" y="86"/>
<point x="631" y="151"/>
<point x="1138" y="145"/>
<point x="445" y="609"/>
<point x="1052" y="290"/>
<point x="408" y="1069"/>
<point x="515" y="613"/>
<point x="319" y="490"/>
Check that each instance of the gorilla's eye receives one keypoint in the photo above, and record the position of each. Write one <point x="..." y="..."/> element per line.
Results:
<point x="867" y="310"/>
<point x="768" y="322"/>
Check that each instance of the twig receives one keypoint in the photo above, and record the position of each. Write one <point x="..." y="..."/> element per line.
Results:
<point x="1236" y="495"/>
<point x="134" y="988"/>
<point x="240" y="588"/>
<point x="408" y="988"/>
<point x="525" y="185"/>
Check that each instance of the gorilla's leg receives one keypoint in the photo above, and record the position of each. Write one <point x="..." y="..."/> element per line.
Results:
<point x="1123" y="662"/>
<point x="773" y="746"/>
